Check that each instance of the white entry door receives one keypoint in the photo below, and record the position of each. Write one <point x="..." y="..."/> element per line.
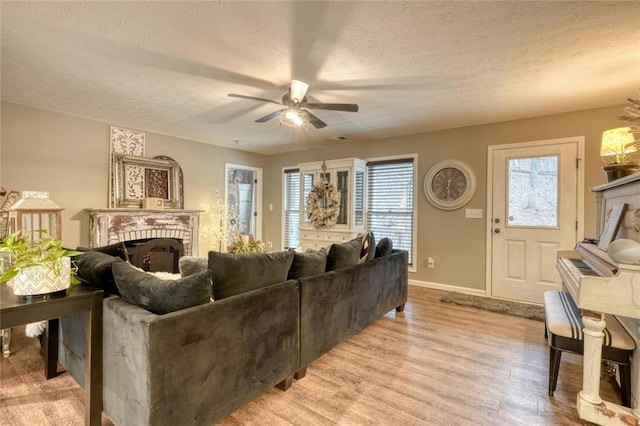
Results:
<point x="534" y="212"/>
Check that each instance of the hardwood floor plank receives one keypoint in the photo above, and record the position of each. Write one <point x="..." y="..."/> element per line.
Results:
<point x="433" y="364"/>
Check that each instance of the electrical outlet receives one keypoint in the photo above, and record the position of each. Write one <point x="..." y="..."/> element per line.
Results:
<point x="431" y="263"/>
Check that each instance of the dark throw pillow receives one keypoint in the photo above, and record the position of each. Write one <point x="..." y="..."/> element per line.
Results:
<point x="308" y="264"/>
<point x="368" y="251"/>
<point x="115" y="249"/>
<point x="157" y="295"/>
<point x="384" y="247"/>
<point x="238" y="273"/>
<point x="344" y="255"/>
<point x="95" y="268"/>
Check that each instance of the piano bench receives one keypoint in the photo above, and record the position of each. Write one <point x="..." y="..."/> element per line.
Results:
<point x="563" y="329"/>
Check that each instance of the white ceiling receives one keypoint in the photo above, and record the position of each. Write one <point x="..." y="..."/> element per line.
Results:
<point x="412" y="67"/>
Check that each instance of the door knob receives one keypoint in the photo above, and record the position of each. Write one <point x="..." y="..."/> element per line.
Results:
<point x="496" y="231"/>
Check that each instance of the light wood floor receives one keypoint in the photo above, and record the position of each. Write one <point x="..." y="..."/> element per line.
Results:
<point x="434" y="364"/>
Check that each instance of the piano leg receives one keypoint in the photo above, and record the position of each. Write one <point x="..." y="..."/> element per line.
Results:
<point x="589" y="404"/>
<point x="593" y="340"/>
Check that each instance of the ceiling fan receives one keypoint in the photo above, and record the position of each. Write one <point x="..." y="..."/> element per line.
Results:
<point x="296" y="113"/>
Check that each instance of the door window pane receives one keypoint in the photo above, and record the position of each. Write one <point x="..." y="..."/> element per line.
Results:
<point x="342" y="186"/>
<point x="532" y="197"/>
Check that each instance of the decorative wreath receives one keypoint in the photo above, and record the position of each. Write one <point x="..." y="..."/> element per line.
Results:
<point x="323" y="204"/>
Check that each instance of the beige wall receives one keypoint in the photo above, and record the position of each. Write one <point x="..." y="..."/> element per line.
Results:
<point x="67" y="156"/>
<point x="457" y="244"/>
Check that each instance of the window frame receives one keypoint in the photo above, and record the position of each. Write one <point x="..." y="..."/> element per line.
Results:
<point x="283" y="227"/>
<point x="414" y="158"/>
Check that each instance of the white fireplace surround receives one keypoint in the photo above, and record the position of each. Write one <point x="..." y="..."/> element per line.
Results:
<point x="109" y="226"/>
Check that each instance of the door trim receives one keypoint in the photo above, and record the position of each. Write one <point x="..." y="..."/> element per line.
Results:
<point x="490" y="165"/>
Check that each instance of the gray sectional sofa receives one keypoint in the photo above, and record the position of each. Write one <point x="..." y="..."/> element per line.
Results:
<point x="337" y="304"/>
<point x="198" y="364"/>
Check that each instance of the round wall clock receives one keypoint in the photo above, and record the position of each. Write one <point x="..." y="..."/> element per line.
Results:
<point x="449" y="184"/>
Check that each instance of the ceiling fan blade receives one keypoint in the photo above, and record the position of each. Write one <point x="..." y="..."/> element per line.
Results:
<point x="333" y="107"/>
<point x="298" y="90"/>
<point x="270" y="116"/>
<point x="233" y="95"/>
<point x="317" y="123"/>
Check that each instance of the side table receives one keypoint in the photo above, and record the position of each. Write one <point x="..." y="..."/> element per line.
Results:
<point x="16" y="311"/>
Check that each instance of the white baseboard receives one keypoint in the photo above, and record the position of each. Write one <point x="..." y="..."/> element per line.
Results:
<point x="447" y="287"/>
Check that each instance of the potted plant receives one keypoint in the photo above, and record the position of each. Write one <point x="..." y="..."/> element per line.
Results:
<point x="245" y="244"/>
<point x="37" y="266"/>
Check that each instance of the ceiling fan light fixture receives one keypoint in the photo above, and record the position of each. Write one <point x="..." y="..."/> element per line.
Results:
<point x="295" y="118"/>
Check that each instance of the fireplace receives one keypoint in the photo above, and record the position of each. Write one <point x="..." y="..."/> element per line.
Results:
<point x="108" y="226"/>
<point x="156" y="254"/>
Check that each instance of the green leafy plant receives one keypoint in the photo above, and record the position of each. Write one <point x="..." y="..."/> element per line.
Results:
<point x="245" y="244"/>
<point x="25" y="252"/>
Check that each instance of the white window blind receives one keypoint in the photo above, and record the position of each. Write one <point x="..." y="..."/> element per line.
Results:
<point x="390" y="210"/>
<point x="291" y="203"/>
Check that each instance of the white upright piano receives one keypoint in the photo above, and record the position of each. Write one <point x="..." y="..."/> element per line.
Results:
<point x="600" y="285"/>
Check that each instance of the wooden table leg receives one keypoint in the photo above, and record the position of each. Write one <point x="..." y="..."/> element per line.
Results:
<point x="51" y="348"/>
<point x="6" y="341"/>
<point x="93" y="371"/>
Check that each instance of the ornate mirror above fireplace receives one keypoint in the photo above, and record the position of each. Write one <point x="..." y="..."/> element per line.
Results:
<point x="137" y="178"/>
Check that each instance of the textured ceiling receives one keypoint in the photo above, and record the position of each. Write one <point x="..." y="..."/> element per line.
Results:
<point x="412" y="67"/>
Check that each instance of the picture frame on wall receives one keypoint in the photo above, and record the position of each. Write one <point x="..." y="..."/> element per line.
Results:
<point x="612" y="225"/>
<point x="138" y="178"/>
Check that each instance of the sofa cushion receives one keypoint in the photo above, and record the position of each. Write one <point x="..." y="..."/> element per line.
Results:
<point x="384" y="247"/>
<point x="95" y="268"/>
<point x="158" y="295"/>
<point x="307" y="264"/>
<point x="344" y="255"/>
<point x="238" y="273"/>
<point x="368" y="250"/>
<point x="189" y="265"/>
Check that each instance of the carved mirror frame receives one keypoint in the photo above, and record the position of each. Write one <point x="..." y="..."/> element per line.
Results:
<point x="137" y="178"/>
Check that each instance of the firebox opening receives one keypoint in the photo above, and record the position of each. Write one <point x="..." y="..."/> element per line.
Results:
<point x="155" y="254"/>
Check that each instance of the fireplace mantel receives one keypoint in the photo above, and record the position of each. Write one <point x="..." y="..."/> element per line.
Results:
<point x="109" y="226"/>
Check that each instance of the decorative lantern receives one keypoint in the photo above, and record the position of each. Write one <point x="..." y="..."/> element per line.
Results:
<point x="36" y="211"/>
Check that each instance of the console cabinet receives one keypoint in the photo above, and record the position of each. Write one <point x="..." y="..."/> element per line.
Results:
<point x="349" y="176"/>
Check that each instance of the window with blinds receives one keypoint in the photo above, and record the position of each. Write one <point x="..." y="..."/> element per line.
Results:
<point x="291" y="203"/>
<point x="390" y="209"/>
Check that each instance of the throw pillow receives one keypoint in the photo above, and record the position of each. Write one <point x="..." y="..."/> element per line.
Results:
<point x="384" y="247"/>
<point x="368" y="247"/>
<point x="307" y="264"/>
<point x="158" y="295"/>
<point x="344" y="255"/>
<point x="95" y="268"/>
<point x="189" y="265"/>
<point x="115" y="249"/>
<point x="238" y="273"/>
